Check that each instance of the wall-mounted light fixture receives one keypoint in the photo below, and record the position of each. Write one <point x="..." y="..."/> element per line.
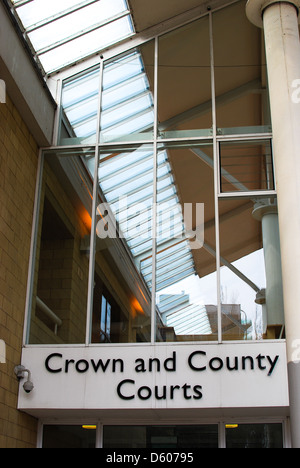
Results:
<point x="28" y="385"/>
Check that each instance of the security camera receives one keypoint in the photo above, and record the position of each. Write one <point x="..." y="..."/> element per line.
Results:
<point x="28" y="386"/>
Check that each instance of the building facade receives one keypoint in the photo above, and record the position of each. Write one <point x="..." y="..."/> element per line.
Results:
<point x="149" y="227"/>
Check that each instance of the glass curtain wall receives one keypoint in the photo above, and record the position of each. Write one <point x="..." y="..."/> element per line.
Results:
<point x="175" y="152"/>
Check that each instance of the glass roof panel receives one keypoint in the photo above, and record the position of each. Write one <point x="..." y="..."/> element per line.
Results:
<point x="132" y="88"/>
<point x="64" y="31"/>
<point x="82" y="88"/>
<point x="127" y="103"/>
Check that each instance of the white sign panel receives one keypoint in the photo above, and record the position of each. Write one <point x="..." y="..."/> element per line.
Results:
<point x="161" y="376"/>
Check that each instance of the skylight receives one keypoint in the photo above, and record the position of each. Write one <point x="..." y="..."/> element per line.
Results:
<point x="63" y="32"/>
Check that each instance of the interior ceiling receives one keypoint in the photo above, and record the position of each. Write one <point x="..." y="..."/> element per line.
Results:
<point x="160" y="11"/>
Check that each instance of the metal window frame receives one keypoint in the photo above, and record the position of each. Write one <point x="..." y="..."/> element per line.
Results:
<point x="215" y="139"/>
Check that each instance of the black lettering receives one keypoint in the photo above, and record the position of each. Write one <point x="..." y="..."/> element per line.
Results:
<point x="197" y="392"/>
<point x="185" y="388"/>
<point x="259" y="360"/>
<point x="147" y="391"/>
<point x="47" y="363"/>
<point x="191" y="361"/>
<point x="172" y="390"/>
<point x="68" y="361"/>
<point x="140" y="365"/>
<point x="119" y="388"/>
<point x="100" y="364"/>
<point x="121" y="365"/>
<point x="219" y="365"/>
<point x="245" y="359"/>
<point x="164" y="393"/>
<point x="151" y="362"/>
<point x="235" y="366"/>
<point x="170" y="364"/>
<point x="273" y="364"/>
<point x="86" y="366"/>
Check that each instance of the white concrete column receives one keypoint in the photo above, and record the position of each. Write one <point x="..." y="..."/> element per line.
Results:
<point x="280" y="23"/>
<point x="267" y="213"/>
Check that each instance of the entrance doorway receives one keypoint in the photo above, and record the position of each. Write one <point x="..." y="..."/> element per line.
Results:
<point x="231" y="435"/>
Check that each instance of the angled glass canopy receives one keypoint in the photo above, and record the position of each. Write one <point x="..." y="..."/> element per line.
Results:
<point x="61" y="32"/>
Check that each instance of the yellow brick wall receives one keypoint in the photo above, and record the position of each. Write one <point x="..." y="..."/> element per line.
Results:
<point x="18" y="169"/>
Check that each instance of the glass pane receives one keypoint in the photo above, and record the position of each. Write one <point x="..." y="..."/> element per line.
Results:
<point x="184" y="103"/>
<point x="240" y="73"/>
<point x="186" y="294"/>
<point x="251" y="282"/>
<point x="86" y="44"/>
<point x="62" y="31"/>
<point x="67" y="26"/>
<point x="82" y="437"/>
<point x="127" y="100"/>
<point x="246" y="166"/>
<point x="34" y="12"/>
<point x="39" y="10"/>
<point x="80" y="101"/>
<point x="124" y="238"/>
<point x="173" y="437"/>
<point x="59" y="301"/>
<point x="242" y="271"/>
<point x="267" y="436"/>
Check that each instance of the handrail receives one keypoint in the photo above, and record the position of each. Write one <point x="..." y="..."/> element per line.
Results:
<point x="50" y="314"/>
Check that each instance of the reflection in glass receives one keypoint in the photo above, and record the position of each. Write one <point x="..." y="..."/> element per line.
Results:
<point x="185" y="247"/>
<point x="251" y="278"/>
<point x="185" y="243"/>
<point x="159" y="437"/>
<point x="58" y="314"/>
<point x="243" y="279"/>
<point x="265" y="436"/>
<point x="240" y="73"/>
<point x="184" y="103"/>
<point x="127" y="103"/>
<point x="246" y="166"/>
<point x="122" y="297"/>
<point x="83" y="437"/>
<point x="80" y="100"/>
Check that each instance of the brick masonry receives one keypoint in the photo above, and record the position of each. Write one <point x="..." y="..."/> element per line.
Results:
<point x="18" y="169"/>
